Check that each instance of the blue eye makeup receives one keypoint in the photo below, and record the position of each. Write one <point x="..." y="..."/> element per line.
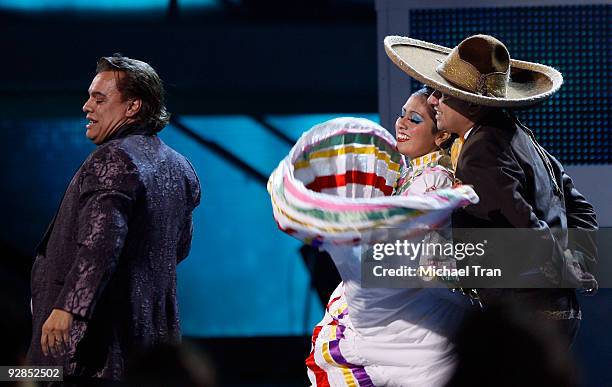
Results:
<point x="416" y="118"/>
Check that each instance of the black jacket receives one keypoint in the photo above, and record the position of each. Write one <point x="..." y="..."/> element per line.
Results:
<point x="516" y="190"/>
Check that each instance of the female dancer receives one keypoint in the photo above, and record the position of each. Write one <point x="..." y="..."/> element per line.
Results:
<point x="392" y="337"/>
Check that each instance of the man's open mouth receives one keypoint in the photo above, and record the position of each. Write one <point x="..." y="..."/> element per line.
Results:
<point x="90" y="123"/>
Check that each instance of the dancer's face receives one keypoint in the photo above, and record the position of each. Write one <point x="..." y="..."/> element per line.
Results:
<point x="106" y="110"/>
<point x="414" y="128"/>
<point x="451" y="114"/>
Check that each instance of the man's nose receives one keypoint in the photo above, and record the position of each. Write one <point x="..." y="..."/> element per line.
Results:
<point x="432" y="99"/>
<point x="86" y="108"/>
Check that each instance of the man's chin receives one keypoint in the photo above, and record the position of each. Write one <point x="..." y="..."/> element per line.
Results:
<point x="442" y="126"/>
<point x="92" y="137"/>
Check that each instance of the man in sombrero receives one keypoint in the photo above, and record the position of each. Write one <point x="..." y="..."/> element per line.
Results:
<point x="520" y="184"/>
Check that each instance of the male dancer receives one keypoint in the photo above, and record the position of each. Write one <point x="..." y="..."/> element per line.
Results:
<point x="519" y="184"/>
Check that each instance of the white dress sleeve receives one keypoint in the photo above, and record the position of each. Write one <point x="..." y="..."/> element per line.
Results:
<point x="431" y="179"/>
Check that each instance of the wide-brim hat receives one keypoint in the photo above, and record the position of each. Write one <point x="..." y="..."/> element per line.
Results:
<point x="479" y="70"/>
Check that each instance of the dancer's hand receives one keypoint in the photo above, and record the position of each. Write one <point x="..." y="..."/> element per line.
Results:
<point x="55" y="338"/>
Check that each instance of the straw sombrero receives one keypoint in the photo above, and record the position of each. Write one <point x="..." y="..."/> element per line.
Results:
<point x="478" y="70"/>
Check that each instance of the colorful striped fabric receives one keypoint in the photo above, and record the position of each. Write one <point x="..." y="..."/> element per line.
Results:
<point x="337" y="183"/>
<point x="327" y="365"/>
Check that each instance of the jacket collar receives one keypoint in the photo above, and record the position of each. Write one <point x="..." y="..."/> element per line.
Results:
<point x="130" y="129"/>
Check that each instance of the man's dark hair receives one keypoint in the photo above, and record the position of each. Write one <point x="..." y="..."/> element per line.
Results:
<point x="142" y="82"/>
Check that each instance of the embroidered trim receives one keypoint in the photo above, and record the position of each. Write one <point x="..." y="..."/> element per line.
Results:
<point x="424" y="160"/>
<point x="562" y="314"/>
<point x="416" y="167"/>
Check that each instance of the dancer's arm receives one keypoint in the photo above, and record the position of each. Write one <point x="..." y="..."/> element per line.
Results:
<point x="109" y="187"/>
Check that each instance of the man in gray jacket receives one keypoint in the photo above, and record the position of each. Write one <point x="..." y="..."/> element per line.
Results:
<point x="104" y="279"/>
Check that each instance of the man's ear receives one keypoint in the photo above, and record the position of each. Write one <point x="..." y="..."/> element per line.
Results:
<point x="441" y="137"/>
<point x="133" y="107"/>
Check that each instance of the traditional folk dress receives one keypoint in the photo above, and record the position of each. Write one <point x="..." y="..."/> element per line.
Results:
<point x="339" y="187"/>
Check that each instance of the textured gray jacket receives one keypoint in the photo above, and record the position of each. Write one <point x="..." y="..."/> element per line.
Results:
<point x="109" y="256"/>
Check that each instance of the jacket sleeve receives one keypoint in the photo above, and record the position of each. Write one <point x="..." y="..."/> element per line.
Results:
<point x="109" y="186"/>
<point x="186" y="232"/>
<point x="580" y="213"/>
<point x="184" y="243"/>
<point x="502" y="186"/>
<point x="581" y="218"/>
<point x="499" y="181"/>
